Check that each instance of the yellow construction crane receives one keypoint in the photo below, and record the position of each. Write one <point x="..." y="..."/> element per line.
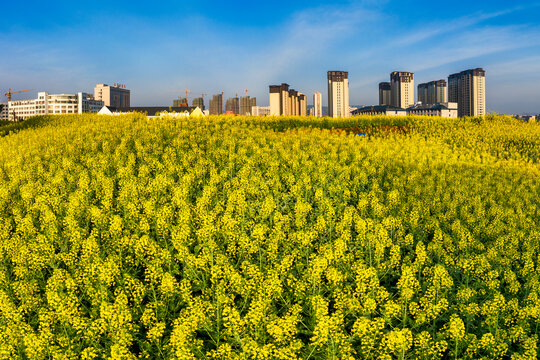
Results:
<point x="9" y="93"/>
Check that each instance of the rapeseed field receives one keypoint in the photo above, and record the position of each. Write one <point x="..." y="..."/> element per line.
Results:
<point x="124" y="237"/>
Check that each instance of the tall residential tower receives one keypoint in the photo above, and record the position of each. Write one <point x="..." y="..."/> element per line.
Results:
<point x="402" y="89"/>
<point x="246" y="104"/>
<point x="453" y="84"/>
<point x="338" y="94"/>
<point x="232" y="106"/>
<point x="216" y="104"/>
<point x="199" y="102"/>
<point x="468" y="89"/>
<point x="385" y="93"/>
<point x="317" y="104"/>
<point x="433" y="92"/>
<point x="285" y="101"/>
<point x="115" y="96"/>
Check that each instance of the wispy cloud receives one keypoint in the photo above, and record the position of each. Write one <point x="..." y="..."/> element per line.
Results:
<point x="441" y="27"/>
<point x="307" y="36"/>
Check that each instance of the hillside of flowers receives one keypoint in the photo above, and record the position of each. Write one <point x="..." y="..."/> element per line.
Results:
<point x="124" y="237"/>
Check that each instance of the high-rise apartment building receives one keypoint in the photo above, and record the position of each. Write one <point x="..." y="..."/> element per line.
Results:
<point x="246" y="104"/>
<point x="302" y="104"/>
<point x="437" y="92"/>
<point x="216" y="104"/>
<point x="116" y="96"/>
<point x="472" y="93"/>
<point x="49" y="104"/>
<point x="199" y="102"/>
<point x="180" y="102"/>
<point x="285" y="101"/>
<point x="433" y="92"/>
<point x="317" y="104"/>
<point x="453" y="84"/>
<point x="279" y="99"/>
<point x="276" y="99"/>
<point x="232" y="106"/>
<point x="338" y="94"/>
<point x="385" y="93"/>
<point x="402" y="89"/>
<point x="293" y="102"/>
<point x="423" y="93"/>
<point x="468" y="89"/>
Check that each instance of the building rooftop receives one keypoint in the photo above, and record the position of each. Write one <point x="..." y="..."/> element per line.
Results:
<point x="437" y="106"/>
<point x="379" y="108"/>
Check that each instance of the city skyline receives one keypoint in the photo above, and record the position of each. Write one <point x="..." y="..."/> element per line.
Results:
<point x="156" y="49"/>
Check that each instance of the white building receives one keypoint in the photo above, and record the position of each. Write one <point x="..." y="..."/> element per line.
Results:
<point x="260" y="110"/>
<point x="3" y="111"/>
<point x="338" y="94"/>
<point x="47" y="104"/>
<point x="447" y="110"/>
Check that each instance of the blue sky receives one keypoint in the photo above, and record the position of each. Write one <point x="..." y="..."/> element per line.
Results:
<point x="160" y="48"/>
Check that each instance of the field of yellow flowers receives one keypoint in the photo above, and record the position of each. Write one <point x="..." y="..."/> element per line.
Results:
<point x="281" y="238"/>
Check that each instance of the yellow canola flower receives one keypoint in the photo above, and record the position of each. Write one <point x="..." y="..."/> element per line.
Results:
<point x="269" y="238"/>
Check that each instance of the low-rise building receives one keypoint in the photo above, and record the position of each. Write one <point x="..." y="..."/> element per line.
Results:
<point x="388" y="110"/>
<point x="447" y="110"/>
<point x="260" y="110"/>
<point x="526" y="117"/>
<point x="53" y="104"/>
<point x="150" y="111"/>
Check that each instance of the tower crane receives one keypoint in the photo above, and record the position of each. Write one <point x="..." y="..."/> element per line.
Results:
<point x="9" y="93"/>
